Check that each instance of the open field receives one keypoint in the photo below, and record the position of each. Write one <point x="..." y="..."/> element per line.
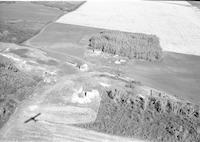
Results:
<point x="62" y="5"/>
<point x="21" y="70"/>
<point x="176" y="23"/>
<point x="79" y="94"/>
<point x="177" y="74"/>
<point x="20" y="21"/>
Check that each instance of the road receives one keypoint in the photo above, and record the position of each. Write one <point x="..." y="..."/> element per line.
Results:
<point x="58" y="114"/>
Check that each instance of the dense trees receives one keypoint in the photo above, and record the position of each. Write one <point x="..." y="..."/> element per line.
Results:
<point x="156" y="117"/>
<point x="15" y="86"/>
<point x="132" y="45"/>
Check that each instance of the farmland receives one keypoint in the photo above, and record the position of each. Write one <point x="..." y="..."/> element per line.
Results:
<point x="99" y="71"/>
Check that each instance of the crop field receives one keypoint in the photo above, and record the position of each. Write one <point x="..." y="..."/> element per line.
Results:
<point x="152" y="123"/>
<point x="62" y="5"/>
<point x="20" y="21"/>
<point x="176" y="23"/>
<point x="100" y="71"/>
<point x="177" y="74"/>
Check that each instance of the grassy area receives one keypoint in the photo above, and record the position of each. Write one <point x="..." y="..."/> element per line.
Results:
<point x="177" y="74"/>
<point x="157" y="117"/>
<point x="15" y="86"/>
<point x="7" y="2"/>
<point x="19" y="21"/>
<point x="132" y="45"/>
<point x="18" y="32"/>
<point x="62" y="5"/>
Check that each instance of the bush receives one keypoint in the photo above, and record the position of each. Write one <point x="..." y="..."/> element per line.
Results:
<point x="131" y="45"/>
<point x="155" y="117"/>
<point x="15" y="86"/>
<point x="7" y="107"/>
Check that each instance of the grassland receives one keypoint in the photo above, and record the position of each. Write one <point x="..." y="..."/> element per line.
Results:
<point x="62" y="5"/>
<point x="123" y="111"/>
<point x="177" y="74"/>
<point x="176" y="23"/>
<point x="20" y="21"/>
<point x="131" y="45"/>
<point x="157" y="117"/>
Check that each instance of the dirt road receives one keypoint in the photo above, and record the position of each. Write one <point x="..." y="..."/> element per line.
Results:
<point x="58" y="114"/>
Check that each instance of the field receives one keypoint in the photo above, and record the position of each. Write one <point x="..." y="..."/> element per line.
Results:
<point x="59" y="112"/>
<point x="177" y="74"/>
<point x="164" y="19"/>
<point x="20" y="21"/>
<point x="62" y="5"/>
<point x="85" y="77"/>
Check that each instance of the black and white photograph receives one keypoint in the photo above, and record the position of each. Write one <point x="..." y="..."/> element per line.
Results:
<point x="100" y="71"/>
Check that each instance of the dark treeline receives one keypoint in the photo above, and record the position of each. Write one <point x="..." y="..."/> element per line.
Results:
<point x="131" y="45"/>
<point x="156" y="117"/>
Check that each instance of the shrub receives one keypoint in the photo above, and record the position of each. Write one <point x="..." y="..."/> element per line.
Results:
<point x="155" y="117"/>
<point x="15" y="86"/>
<point x="131" y="45"/>
<point x="7" y="107"/>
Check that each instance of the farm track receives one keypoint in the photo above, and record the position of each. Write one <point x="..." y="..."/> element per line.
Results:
<point x="51" y="125"/>
<point x="51" y="130"/>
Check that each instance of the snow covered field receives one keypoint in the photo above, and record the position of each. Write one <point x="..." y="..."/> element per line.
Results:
<point x="177" y="24"/>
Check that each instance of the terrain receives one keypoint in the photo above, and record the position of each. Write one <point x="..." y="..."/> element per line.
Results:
<point x="59" y="98"/>
<point x="20" y="20"/>
<point x="177" y="74"/>
<point x="15" y="86"/>
<point x="85" y="94"/>
<point x="177" y="33"/>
